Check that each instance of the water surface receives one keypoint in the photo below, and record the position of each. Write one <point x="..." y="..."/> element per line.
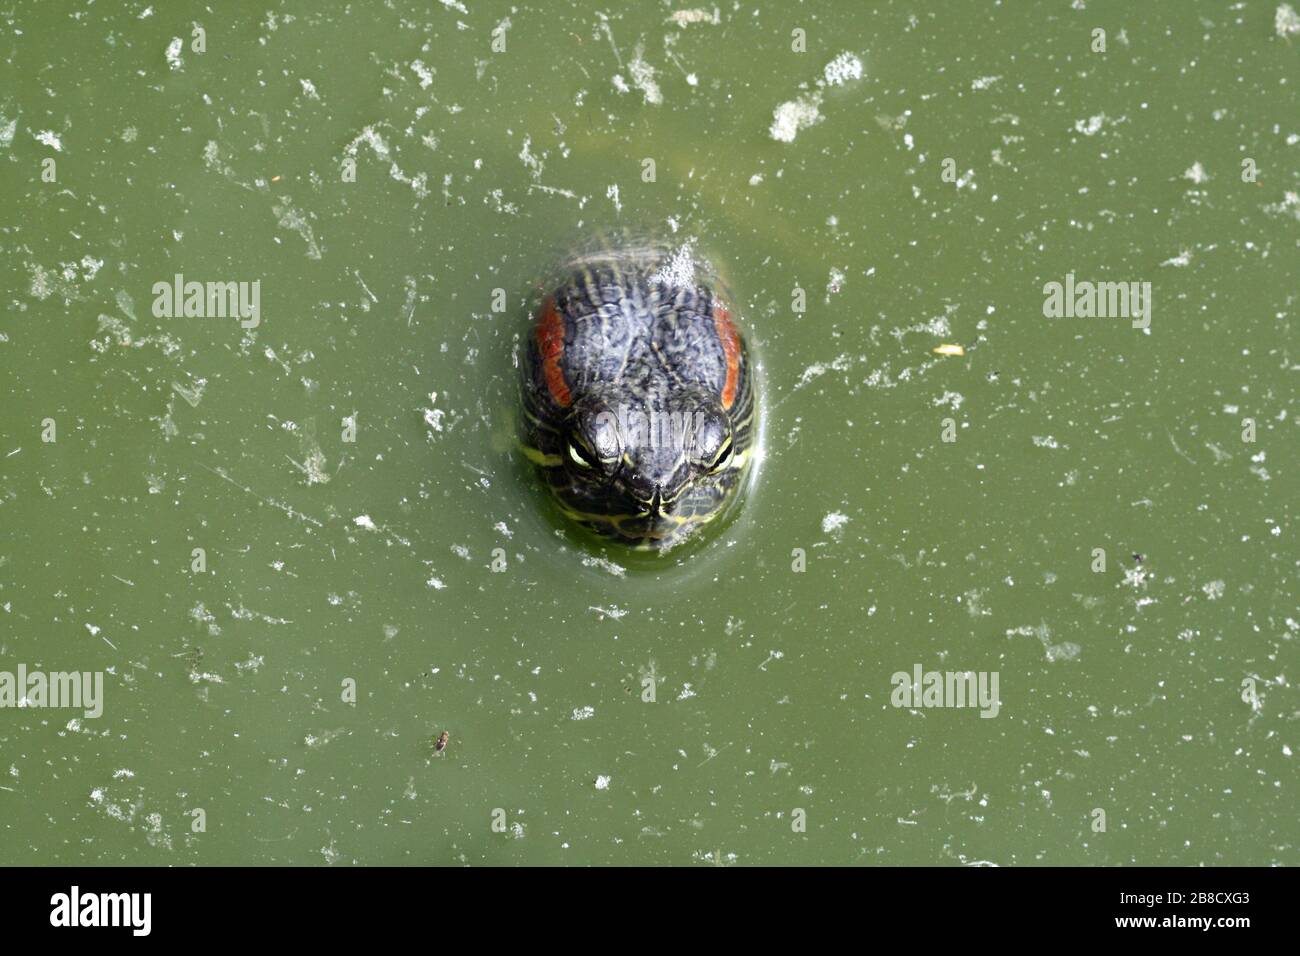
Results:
<point x="372" y="561"/>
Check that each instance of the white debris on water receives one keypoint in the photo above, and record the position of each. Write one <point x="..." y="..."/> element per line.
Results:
<point x="363" y="521"/>
<point x="1290" y="204"/>
<point x="678" y="270"/>
<point x="1286" y="21"/>
<point x="1213" y="590"/>
<point x="795" y="115"/>
<point x="317" y="741"/>
<point x="684" y="18"/>
<point x="113" y="331"/>
<point x="7" y="130"/>
<point x="242" y="613"/>
<point x="455" y="5"/>
<point x="1091" y="126"/>
<point x="371" y="138"/>
<point x="1065" y="651"/>
<point x="605" y="565"/>
<point x="1183" y="258"/>
<point x="252" y="665"/>
<point x="975" y="602"/>
<point x="583" y="713"/>
<point x="433" y="416"/>
<point x="602" y="782"/>
<point x="1196" y="173"/>
<point x="531" y="162"/>
<point x="843" y="68"/>
<point x="611" y="193"/>
<point x="436" y="583"/>
<point x="835" y="282"/>
<point x="613" y="611"/>
<point x="643" y="77"/>
<point x="212" y="160"/>
<point x="936" y="327"/>
<point x="193" y="394"/>
<point x="983" y="82"/>
<point x="834" y="522"/>
<point x="50" y="139"/>
<point x="423" y="72"/>
<point x="200" y="614"/>
<point x="1135" y="578"/>
<point x="174" y="53"/>
<point x="313" y="465"/>
<point x="90" y="267"/>
<point x="805" y="110"/>
<point x="45" y="283"/>
<point x="309" y="89"/>
<point x="840" y="363"/>
<point x="130" y="811"/>
<point x="419" y="184"/>
<point x="293" y="219"/>
<point x="620" y="84"/>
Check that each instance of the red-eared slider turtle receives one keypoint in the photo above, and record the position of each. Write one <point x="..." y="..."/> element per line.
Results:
<point x="638" y="395"/>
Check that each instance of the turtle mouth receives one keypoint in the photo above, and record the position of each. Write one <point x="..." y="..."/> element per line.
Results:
<point x="645" y="515"/>
<point x="647" y="529"/>
<point x="665" y="518"/>
<point x="655" y="528"/>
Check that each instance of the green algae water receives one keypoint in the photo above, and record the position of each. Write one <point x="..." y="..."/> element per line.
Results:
<point x="285" y="523"/>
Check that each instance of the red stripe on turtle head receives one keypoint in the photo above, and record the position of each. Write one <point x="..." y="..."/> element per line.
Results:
<point x="730" y="340"/>
<point x="550" y="344"/>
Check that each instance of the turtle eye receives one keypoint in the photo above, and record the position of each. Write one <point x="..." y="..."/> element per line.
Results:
<point x="579" y="455"/>
<point x="711" y="441"/>
<point x="723" y="459"/>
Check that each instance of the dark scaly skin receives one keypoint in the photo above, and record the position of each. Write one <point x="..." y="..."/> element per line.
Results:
<point x="638" y="397"/>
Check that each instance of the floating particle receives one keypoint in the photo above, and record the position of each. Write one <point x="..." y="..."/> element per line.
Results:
<point x="843" y="68"/>
<point x="790" y="117"/>
<point x="833" y="522"/>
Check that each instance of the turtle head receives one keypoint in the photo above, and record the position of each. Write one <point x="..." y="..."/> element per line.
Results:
<point x="649" y="469"/>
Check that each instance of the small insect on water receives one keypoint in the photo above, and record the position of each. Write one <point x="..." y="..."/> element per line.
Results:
<point x="440" y="744"/>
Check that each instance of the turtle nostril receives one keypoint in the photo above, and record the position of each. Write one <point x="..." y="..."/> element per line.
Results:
<point x="650" y="500"/>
